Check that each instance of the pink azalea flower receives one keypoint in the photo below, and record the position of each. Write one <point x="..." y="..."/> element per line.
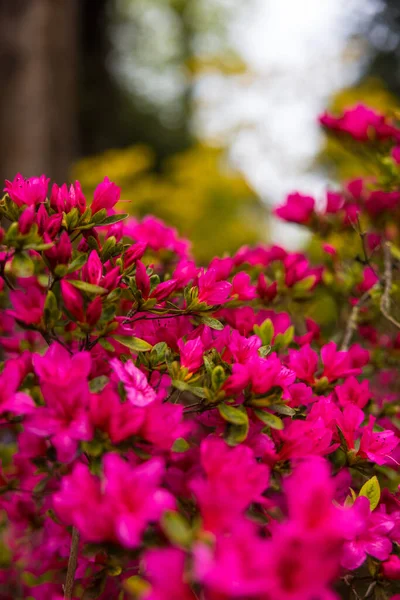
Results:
<point x="92" y="271"/>
<point x="165" y="569"/>
<point x="64" y="385"/>
<point x="106" y="195"/>
<point x="61" y="252"/>
<point x="118" y="507"/>
<point x="28" y="305"/>
<point x="360" y="122"/>
<point x="11" y="378"/>
<point x="336" y="363"/>
<point x="64" y="200"/>
<point x="370" y="536"/>
<point x="73" y="300"/>
<point x="156" y="235"/>
<point x="391" y="567"/>
<point x="298" y="208"/>
<point x="377" y="446"/>
<point x="223" y="494"/>
<point x="212" y="291"/>
<point x="138" y="390"/>
<point x="31" y="191"/>
<point x="120" y="420"/>
<point x="163" y="424"/>
<point x="304" y="362"/>
<point x="242" y="288"/>
<point x="191" y="354"/>
<point x="351" y="391"/>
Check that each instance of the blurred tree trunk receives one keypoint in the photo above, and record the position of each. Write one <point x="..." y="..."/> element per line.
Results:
<point x="38" y="70"/>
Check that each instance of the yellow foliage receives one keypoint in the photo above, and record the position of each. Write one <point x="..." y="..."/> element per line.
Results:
<point x="197" y="192"/>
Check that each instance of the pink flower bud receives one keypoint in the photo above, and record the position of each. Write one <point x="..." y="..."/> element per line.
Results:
<point x="163" y="290"/>
<point x="142" y="279"/>
<point x="26" y="219"/>
<point x="93" y="270"/>
<point x="134" y="253"/>
<point x="106" y="195"/>
<point x="73" y="300"/>
<point x="93" y="312"/>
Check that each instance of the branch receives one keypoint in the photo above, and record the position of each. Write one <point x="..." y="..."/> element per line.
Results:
<point x="352" y="321"/>
<point x="72" y="562"/>
<point x="387" y="281"/>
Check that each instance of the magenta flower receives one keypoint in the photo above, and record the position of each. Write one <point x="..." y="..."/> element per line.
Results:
<point x="242" y="288"/>
<point x="138" y="390"/>
<point x="26" y="219"/>
<point x="353" y="392"/>
<point x="223" y="494"/>
<point x="92" y="271"/>
<point x="28" y="305"/>
<point x="298" y="208"/>
<point x="212" y="291"/>
<point x="73" y="300"/>
<point x="30" y="191"/>
<point x="106" y="195"/>
<point x="64" y="385"/>
<point x="117" y="508"/>
<point x="11" y="378"/>
<point x="165" y="569"/>
<point x="377" y="446"/>
<point x="361" y="123"/>
<point x="61" y="252"/>
<point x="304" y="362"/>
<point x="191" y="354"/>
<point x="336" y="363"/>
<point x="120" y="420"/>
<point x="369" y="537"/>
<point x="64" y="200"/>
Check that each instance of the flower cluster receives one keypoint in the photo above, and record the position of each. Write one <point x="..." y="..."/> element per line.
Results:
<point x="223" y="432"/>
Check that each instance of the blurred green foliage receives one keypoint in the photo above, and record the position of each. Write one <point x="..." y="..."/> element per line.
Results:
<point x="197" y="192"/>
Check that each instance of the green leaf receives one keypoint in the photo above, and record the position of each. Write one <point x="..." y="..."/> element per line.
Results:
<point x="106" y="345"/>
<point x="90" y="288"/>
<point x="98" y="383"/>
<point x="180" y="445"/>
<point x="304" y="285"/>
<point x="22" y="265"/>
<point x="134" y="343"/>
<point x="100" y="215"/>
<point x="283" y="409"/>
<point x="211" y="322"/>
<point x="263" y="351"/>
<point x="113" y="219"/>
<point x="217" y="377"/>
<point x="236" y="416"/>
<point x="176" y="528"/>
<point x="371" y="490"/>
<point x="136" y="586"/>
<point x="269" y="419"/>
<point x="236" y="434"/>
<point x="77" y="263"/>
<point x="182" y="386"/>
<point x="265" y="331"/>
<point x="51" y="311"/>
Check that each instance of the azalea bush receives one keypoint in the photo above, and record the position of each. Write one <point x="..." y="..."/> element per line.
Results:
<point x="228" y="432"/>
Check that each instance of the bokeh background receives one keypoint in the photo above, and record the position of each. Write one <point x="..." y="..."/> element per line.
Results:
<point x="204" y="111"/>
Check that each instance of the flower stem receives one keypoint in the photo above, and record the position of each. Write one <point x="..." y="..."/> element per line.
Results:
<point x="72" y="562"/>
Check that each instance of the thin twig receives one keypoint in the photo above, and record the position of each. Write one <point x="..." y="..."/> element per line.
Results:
<point x="387" y="281"/>
<point x="352" y="321"/>
<point x="72" y="563"/>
